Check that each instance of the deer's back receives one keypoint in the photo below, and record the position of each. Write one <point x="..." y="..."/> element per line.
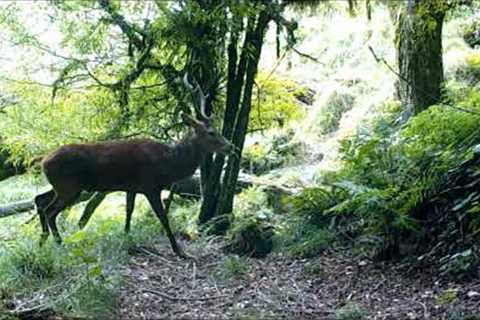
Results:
<point x="116" y="165"/>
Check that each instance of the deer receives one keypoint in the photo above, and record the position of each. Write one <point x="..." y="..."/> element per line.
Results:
<point x="135" y="166"/>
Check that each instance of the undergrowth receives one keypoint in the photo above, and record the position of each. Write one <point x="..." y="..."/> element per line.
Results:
<point x="81" y="277"/>
<point x="391" y="183"/>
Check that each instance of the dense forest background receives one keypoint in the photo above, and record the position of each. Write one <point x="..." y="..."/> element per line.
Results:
<point x="352" y="192"/>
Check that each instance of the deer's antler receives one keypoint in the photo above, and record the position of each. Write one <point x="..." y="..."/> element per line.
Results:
<point x="201" y="95"/>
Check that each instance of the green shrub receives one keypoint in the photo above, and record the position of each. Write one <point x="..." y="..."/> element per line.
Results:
<point x="350" y="311"/>
<point x="251" y="231"/>
<point x="328" y="116"/>
<point x="25" y="264"/>
<point x="312" y="244"/>
<point x="391" y="173"/>
<point x="233" y="267"/>
<point x="309" y="228"/>
<point x="275" y="150"/>
<point x="469" y="71"/>
<point x="274" y="102"/>
<point x="91" y="298"/>
<point x="471" y="33"/>
<point x="460" y="265"/>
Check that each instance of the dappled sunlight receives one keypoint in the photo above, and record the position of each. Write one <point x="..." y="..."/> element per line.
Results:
<point x="280" y="160"/>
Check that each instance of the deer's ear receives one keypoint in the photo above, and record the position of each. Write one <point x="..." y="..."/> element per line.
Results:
<point x="189" y="120"/>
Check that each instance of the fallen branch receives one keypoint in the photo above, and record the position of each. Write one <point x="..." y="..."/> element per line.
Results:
<point x="166" y="296"/>
<point x="28" y="205"/>
<point x="187" y="188"/>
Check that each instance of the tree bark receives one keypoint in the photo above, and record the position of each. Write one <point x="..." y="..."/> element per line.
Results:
<point x="234" y="84"/>
<point x="419" y="54"/>
<point x="225" y="201"/>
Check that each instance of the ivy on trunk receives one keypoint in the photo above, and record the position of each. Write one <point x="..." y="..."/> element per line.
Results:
<point x="242" y="65"/>
<point x="419" y="53"/>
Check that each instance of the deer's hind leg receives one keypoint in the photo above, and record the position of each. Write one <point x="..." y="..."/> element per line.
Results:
<point x="130" y="207"/>
<point x="62" y="200"/>
<point x="42" y="201"/>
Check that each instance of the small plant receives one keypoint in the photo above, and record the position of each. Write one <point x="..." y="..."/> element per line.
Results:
<point x="276" y="149"/>
<point x="460" y="265"/>
<point x="313" y="243"/>
<point x="447" y="297"/>
<point x="471" y="33"/>
<point x="315" y="270"/>
<point x="469" y="71"/>
<point x="233" y="267"/>
<point x="350" y="311"/>
<point x="25" y="263"/>
<point x="251" y="231"/>
<point x="327" y="118"/>
<point x="91" y="298"/>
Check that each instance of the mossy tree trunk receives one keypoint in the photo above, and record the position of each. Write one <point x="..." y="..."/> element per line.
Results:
<point x="241" y="71"/>
<point x="419" y="54"/>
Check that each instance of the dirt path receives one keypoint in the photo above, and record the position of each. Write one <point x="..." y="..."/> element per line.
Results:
<point x="160" y="286"/>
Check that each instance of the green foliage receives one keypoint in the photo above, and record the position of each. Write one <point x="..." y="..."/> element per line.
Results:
<point x="469" y="71"/>
<point x="447" y="297"/>
<point x="312" y="244"/>
<point x="327" y="118"/>
<point x="25" y="264"/>
<point x="251" y="231"/>
<point x="233" y="267"/>
<point x="459" y="265"/>
<point x="471" y="32"/>
<point x="308" y="230"/>
<point x="81" y="277"/>
<point x="34" y="125"/>
<point x="183" y="217"/>
<point x="350" y="311"/>
<point x="391" y="172"/>
<point x="274" y="150"/>
<point x="274" y="103"/>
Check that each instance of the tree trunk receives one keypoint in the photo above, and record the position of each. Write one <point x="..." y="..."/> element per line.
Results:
<point x="235" y="78"/>
<point x="225" y="200"/>
<point x="419" y="54"/>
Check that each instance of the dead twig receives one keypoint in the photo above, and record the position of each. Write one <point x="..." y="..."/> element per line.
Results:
<point x="169" y="297"/>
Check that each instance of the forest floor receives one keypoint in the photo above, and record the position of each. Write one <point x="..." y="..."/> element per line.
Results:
<point x="158" y="285"/>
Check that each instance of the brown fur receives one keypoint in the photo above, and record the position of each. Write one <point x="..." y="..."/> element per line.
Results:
<point x="135" y="166"/>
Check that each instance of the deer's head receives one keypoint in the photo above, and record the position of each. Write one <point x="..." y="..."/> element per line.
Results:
<point x="209" y="139"/>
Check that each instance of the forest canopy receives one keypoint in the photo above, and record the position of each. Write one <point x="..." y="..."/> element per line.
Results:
<point x="330" y="148"/>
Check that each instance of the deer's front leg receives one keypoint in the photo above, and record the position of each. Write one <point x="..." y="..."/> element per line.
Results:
<point x="156" y="203"/>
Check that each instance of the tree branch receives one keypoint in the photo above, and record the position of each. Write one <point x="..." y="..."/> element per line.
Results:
<point x="129" y="30"/>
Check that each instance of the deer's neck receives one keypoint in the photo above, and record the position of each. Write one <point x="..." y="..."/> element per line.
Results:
<point x="189" y="155"/>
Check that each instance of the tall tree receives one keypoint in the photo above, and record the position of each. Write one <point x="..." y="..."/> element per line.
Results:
<point x="154" y="44"/>
<point x="246" y="28"/>
<point x="419" y="53"/>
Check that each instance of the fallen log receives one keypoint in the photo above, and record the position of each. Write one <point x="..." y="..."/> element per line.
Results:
<point x="187" y="188"/>
<point x="16" y="207"/>
<point x="22" y="206"/>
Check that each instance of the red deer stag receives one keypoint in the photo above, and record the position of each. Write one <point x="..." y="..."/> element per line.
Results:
<point x="135" y="166"/>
